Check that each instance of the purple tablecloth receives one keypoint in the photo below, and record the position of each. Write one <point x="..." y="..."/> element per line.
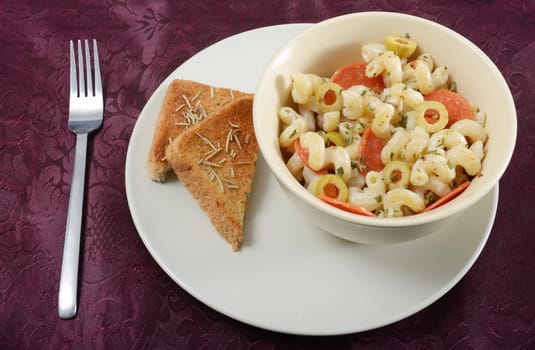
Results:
<point x="125" y="299"/>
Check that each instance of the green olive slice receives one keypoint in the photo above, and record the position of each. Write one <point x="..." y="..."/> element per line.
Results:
<point x="402" y="46"/>
<point x="332" y="186"/>
<point x="432" y="116"/>
<point x="396" y="174"/>
<point x="329" y="97"/>
<point x="334" y="138"/>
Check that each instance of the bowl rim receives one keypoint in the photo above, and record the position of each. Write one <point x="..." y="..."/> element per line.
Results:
<point x="286" y="179"/>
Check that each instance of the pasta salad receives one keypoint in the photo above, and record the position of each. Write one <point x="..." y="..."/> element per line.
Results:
<point x="388" y="136"/>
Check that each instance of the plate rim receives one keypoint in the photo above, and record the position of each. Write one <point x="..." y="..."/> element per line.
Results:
<point x="190" y="290"/>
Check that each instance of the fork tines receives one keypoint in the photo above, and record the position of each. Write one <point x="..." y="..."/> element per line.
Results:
<point x="85" y="85"/>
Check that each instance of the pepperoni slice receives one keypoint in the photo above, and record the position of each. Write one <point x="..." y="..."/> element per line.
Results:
<point x="303" y="153"/>
<point x="457" y="191"/>
<point x="352" y="208"/>
<point x="355" y="74"/>
<point x="457" y="106"/>
<point x="371" y="146"/>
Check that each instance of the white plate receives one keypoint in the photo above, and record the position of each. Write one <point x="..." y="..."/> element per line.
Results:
<point x="289" y="276"/>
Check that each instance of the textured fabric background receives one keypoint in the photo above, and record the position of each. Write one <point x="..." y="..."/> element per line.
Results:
<point x="126" y="300"/>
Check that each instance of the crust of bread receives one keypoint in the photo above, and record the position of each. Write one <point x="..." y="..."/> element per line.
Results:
<point x="222" y="196"/>
<point x="183" y="96"/>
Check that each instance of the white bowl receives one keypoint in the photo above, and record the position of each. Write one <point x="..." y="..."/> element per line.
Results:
<point x="336" y="42"/>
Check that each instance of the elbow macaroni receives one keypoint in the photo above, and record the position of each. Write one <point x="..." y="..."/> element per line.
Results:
<point x="422" y="75"/>
<point x="422" y="159"/>
<point x="371" y="196"/>
<point x="303" y="86"/>
<point x="389" y="63"/>
<point x="396" y="199"/>
<point x="353" y="104"/>
<point x="471" y="129"/>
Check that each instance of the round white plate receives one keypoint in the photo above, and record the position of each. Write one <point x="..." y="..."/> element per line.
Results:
<point x="288" y="276"/>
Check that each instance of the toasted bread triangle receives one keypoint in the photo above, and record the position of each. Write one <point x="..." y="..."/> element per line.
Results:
<point x="215" y="160"/>
<point x="185" y="103"/>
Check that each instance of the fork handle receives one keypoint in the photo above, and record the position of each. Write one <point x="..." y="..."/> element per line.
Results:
<point x="68" y="284"/>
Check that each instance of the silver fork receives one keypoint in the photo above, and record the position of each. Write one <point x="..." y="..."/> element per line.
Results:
<point x="86" y="109"/>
